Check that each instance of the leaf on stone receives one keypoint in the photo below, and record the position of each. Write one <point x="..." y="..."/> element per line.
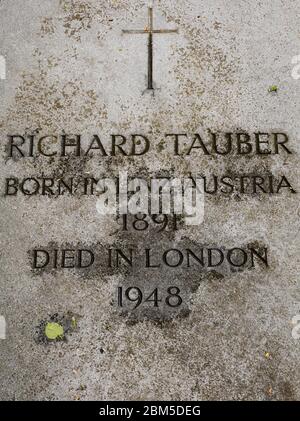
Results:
<point x="273" y="88"/>
<point x="74" y="322"/>
<point x="54" y="331"/>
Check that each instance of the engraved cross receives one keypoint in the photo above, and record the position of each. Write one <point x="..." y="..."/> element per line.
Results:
<point x="150" y="31"/>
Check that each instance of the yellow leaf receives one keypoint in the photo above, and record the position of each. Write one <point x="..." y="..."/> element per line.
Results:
<point x="54" y="331"/>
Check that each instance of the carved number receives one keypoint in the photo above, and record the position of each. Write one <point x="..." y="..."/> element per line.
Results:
<point x="135" y="295"/>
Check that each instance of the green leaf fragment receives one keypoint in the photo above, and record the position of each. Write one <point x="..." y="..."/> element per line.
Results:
<point x="74" y="323"/>
<point x="54" y="331"/>
<point x="273" y="88"/>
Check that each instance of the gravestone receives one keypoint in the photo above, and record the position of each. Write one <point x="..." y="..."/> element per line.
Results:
<point x="103" y="304"/>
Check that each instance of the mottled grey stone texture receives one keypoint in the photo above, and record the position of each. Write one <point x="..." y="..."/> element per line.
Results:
<point x="69" y="68"/>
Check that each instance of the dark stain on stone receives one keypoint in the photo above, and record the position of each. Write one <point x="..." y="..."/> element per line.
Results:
<point x="186" y="277"/>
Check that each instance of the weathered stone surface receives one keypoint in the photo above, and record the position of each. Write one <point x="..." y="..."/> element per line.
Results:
<point x="70" y="70"/>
